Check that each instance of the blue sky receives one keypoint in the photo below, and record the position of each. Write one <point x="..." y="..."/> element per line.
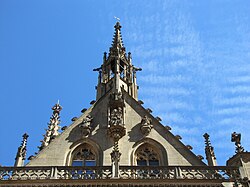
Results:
<point x="195" y="57"/>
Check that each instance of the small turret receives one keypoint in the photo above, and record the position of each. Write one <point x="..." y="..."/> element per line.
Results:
<point x="117" y="72"/>
<point x="209" y="150"/>
<point x="21" y="152"/>
<point x="53" y="126"/>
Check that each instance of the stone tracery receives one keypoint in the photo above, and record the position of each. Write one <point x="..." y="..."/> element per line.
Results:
<point x="83" y="155"/>
<point x="146" y="155"/>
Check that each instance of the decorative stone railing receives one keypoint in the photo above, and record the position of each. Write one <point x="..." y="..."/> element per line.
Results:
<point x="220" y="173"/>
<point x="55" y="172"/>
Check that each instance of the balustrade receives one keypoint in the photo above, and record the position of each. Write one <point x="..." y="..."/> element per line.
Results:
<point x="222" y="173"/>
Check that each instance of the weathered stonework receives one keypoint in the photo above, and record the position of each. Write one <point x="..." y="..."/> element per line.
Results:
<point x="124" y="142"/>
<point x="85" y="126"/>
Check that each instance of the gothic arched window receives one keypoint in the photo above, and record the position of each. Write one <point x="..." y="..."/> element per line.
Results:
<point x="84" y="156"/>
<point x="147" y="156"/>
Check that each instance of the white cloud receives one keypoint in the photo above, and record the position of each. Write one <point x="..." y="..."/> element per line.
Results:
<point x="167" y="92"/>
<point x="237" y="100"/>
<point x="195" y="76"/>
<point x="233" y="110"/>
<point x="238" y="89"/>
<point x="163" y="80"/>
<point x="239" y="79"/>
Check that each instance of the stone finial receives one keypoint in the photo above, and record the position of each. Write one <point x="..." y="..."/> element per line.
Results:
<point x="83" y="110"/>
<point x="117" y="47"/>
<point x="168" y="128"/>
<point x="31" y="157"/>
<point x="140" y="102"/>
<point x="189" y="147"/>
<point x="117" y="40"/>
<point x="57" y="109"/>
<point x="209" y="151"/>
<point x="115" y="158"/>
<point x="178" y="137"/>
<point x="55" y="119"/>
<point x="53" y="126"/>
<point x="85" y="126"/>
<point x="115" y="154"/>
<point x="158" y="118"/>
<point x="236" y="137"/>
<point x="21" y="152"/>
<point x="64" y="128"/>
<point x="104" y="56"/>
<point x="74" y="118"/>
<point x="200" y="157"/>
<point x="146" y="125"/>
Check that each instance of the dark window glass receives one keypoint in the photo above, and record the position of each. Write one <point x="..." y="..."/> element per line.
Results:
<point x="90" y="163"/>
<point x="153" y="162"/>
<point x="77" y="163"/>
<point x="141" y="162"/>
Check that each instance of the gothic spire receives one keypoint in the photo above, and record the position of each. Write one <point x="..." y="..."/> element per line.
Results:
<point x="117" y="65"/>
<point x="21" y="152"/>
<point x="209" y="150"/>
<point x="53" y="126"/>
<point x="117" y="48"/>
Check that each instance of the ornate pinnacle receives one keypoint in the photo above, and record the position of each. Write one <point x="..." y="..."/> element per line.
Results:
<point x="207" y="140"/>
<point x="117" y="44"/>
<point x="115" y="154"/>
<point x="53" y="126"/>
<point x="236" y="137"/>
<point x="22" y="151"/>
<point x="209" y="150"/>
<point x="56" y="108"/>
<point x="115" y="158"/>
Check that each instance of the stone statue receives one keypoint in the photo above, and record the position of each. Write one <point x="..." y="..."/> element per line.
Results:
<point x="116" y="117"/>
<point x="146" y="125"/>
<point x="85" y="126"/>
<point x="236" y="137"/>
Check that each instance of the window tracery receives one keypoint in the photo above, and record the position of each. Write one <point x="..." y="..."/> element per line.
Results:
<point x="84" y="156"/>
<point x="147" y="156"/>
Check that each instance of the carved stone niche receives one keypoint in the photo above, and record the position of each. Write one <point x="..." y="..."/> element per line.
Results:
<point x="116" y="128"/>
<point x="85" y="126"/>
<point x="146" y="125"/>
<point x="116" y="117"/>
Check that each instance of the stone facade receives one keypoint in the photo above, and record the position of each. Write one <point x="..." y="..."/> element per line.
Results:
<point x="119" y="142"/>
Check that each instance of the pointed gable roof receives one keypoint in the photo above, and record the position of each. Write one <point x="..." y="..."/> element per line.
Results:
<point x="97" y="118"/>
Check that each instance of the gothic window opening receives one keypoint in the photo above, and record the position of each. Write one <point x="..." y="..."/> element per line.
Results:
<point x="121" y="69"/>
<point x="147" y="156"/>
<point x="113" y="68"/>
<point x="84" y="156"/>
